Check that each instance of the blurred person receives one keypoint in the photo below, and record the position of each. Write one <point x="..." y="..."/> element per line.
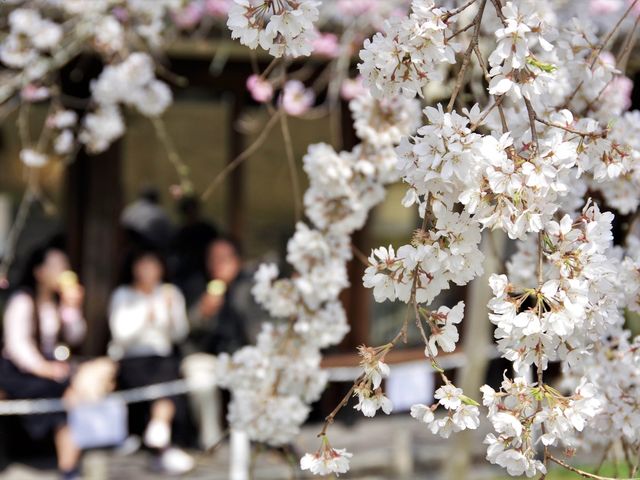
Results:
<point x="226" y="316"/>
<point x="224" y="319"/>
<point x="188" y="248"/>
<point x="147" y="319"/>
<point x="146" y="222"/>
<point x="42" y="322"/>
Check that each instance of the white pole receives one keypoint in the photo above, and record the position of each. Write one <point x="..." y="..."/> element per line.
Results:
<point x="240" y="455"/>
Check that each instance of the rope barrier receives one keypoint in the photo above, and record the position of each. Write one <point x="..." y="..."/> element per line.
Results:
<point x="134" y="395"/>
<point x="181" y="387"/>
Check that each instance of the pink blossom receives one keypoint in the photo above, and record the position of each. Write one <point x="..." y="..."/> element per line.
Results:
<point x="296" y="98"/>
<point x="355" y="7"/>
<point x="34" y="93"/>
<point x="604" y="7"/>
<point x="189" y="16"/>
<point x="621" y="88"/>
<point x="217" y="8"/>
<point x="327" y="45"/>
<point x="352" y="88"/>
<point x="608" y="58"/>
<point x="121" y="13"/>
<point x="261" y="89"/>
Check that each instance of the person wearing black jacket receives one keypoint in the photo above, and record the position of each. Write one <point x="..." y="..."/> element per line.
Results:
<point x="223" y="319"/>
<point x="226" y="317"/>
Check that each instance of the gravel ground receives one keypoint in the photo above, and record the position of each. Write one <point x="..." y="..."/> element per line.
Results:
<point x="395" y="447"/>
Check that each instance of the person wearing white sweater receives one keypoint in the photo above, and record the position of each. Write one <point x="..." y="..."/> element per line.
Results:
<point x="147" y="319"/>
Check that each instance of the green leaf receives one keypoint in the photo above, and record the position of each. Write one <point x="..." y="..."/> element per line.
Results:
<point x="545" y="67"/>
<point x="436" y="367"/>
<point x="469" y="401"/>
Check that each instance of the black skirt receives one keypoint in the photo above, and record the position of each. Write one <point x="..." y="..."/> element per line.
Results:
<point x="137" y="372"/>
<point x="21" y="385"/>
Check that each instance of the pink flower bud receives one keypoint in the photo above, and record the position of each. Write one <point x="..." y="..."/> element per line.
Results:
<point x="296" y="98"/>
<point x="326" y="45"/>
<point x="261" y="89"/>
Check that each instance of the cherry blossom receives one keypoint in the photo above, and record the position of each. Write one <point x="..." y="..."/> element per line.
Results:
<point x="282" y="28"/>
<point x="327" y="460"/>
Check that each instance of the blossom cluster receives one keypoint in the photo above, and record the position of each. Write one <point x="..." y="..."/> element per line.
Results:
<point x="614" y="371"/>
<point x="281" y="371"/>
<point x="368" y="389"/>
<point x="422" y="269"/>
<point x="407" y="53"/>
<point x="42" y="40"/>
<point x="523" y="414"/>
<point x="516" y="71"/>
<point x="326" y="460"/>
<point x="284" y="27"/>
<point x="30" y="37"/>
<point x="561" y="317"/>
<point x="462" y="412"/>
<point x="131" y="82"/>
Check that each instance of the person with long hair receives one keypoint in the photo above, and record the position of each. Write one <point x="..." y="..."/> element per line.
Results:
<point x="147" y="320"/>
<point x="42" y="321"/>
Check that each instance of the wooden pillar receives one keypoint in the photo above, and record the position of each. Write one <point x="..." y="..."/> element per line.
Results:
<point x="357" y="299"/>
<point x="93" y="201"/>
<point x="235" y="184"/>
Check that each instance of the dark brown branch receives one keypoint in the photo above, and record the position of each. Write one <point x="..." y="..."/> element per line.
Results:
<point x="467" y="56"/>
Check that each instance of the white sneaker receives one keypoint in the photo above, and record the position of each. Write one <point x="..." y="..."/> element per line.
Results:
<point x="157" y="435"/>
<point x="174" y="461"/>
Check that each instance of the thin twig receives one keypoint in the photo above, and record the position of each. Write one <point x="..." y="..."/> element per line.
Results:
<point x="269" y="68"/>
<point x="532" y="123"/>
<point x="172" y="77"/>
<point x="582" y="473"/>
<point x="61" y="57"/>
<point x="291" y="161"/>
<point x="621" y="63"/>
<point x="23" y="125"/>
<point x="360" y="255"/>
<point x="497" y="99"/>
<point x="612" y="32"/>
<point x="485" y="114"/>
<point x="596" y="52"/>
<point x="345" y="400"/>
<point x="458" y="32"/>
<point x="629" y="41"/>
<point x="540" y="258"/>
<point x="172" y="154"/>
<point x="16" y="229"/>
<point x="220" y="177"/>
<point x="467" y="56"/>
<point x="571" y="130"/>
<point x="498" y="6"/>
<point x="456" y="11"/>
<point x="604" y="457"/>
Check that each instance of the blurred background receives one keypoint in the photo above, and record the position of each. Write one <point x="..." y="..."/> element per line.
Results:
<point x="214" y="119"/>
